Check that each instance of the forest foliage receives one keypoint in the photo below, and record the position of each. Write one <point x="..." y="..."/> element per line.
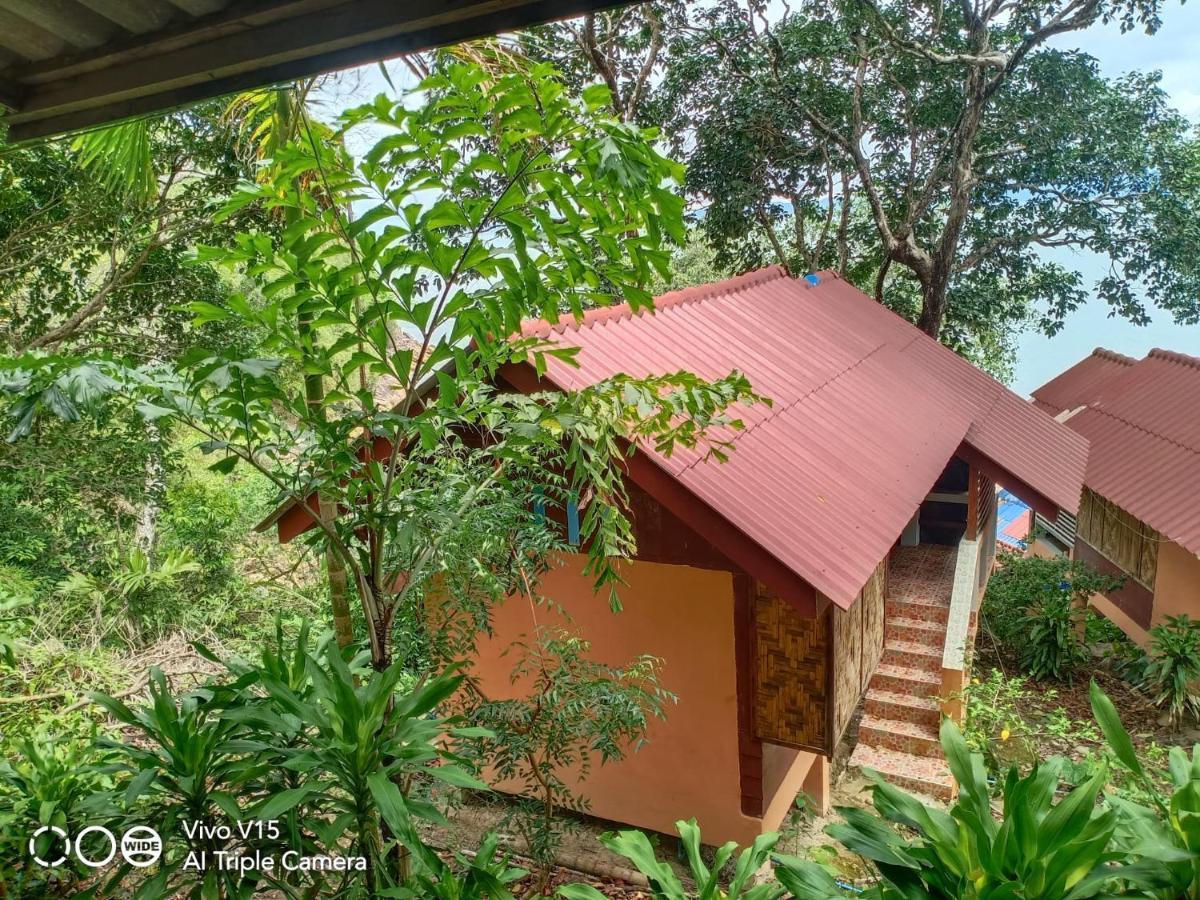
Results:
<point x="212" y="315"/>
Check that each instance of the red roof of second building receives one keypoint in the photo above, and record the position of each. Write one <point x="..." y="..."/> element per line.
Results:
<point x="1143" y="426"/>
<point x="867" y="410"/>
<point x="1083" y="383"/>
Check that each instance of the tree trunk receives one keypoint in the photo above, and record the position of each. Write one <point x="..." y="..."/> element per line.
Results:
<point x="339" y="583"/>
<point x="933" y="302"/>
<point x="335" y="568"/>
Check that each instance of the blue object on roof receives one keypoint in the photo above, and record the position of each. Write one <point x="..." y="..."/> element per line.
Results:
<point x="813" y="278"/>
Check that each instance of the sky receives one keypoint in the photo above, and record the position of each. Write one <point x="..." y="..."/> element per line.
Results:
<point x="1174" y="51"/>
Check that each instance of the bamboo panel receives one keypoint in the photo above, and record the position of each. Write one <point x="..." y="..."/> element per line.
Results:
<point x="871" y="601"/>
<point x="792" y="676"/>
<point x="1084" y="522"/>
<point x="1148" y="563"/>
<point x="1125" y="540"/>
<point x="1111" y="536"/>
<point x="847" y="669"/>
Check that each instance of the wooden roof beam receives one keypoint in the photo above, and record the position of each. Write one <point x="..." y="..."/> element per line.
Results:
<point x="235" y="50"/>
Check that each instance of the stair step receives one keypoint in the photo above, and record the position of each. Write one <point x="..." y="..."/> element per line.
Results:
<point x="918" y="631"/>
<point x="904" y="680"/>
<point x="903" y="707"/>
<point x="919" y="774"/>
<point x="904" y="737"/>
<point x="923" y="610"/>
<point x="913" y="656"/>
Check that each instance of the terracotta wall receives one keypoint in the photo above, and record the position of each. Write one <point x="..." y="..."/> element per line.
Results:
<point x="1177" y="585"/>
<point x="689" y="766"/>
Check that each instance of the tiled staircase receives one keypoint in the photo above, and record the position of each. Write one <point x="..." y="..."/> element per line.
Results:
<point x="898" y="734"/>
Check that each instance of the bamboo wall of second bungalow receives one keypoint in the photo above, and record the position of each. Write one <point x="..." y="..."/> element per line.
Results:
<point x="1128" y="542"/>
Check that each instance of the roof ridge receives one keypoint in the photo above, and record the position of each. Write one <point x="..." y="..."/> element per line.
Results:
<point x="1114" y="356"/>
<point x="620" y="311"/>
<point x="1175" y="356"/>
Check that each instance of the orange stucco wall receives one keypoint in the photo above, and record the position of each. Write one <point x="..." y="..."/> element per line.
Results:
<point x="689" y="764"/>
<point x="1177" y="583"/>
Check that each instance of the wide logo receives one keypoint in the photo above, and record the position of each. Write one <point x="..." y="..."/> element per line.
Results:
<point x="140" y="846"/>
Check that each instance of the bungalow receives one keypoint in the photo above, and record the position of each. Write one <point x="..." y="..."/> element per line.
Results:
<point x="1139" y="516"/>
<point x="839" y="553"/>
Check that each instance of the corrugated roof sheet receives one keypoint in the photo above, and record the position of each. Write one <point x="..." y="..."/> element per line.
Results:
<point x="1083" y="383"/>
<point x="867" y="410"/>
<point x="1144" y="430"/>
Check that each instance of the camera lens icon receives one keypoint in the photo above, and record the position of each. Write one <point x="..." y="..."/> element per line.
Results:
<point x="141" y="846"/>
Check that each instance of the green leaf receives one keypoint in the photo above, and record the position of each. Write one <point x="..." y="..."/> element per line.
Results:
<point x="1114" y="732"/>
<point x="279" y="803"/>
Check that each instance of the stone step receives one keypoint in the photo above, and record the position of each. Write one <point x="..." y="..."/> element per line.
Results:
<point x="923" y="610"/>
<point x="917" y="631"/>
<point x="913" y="656"/>
<point x="903" y="707"/>
<point x="904" y="737"/>
<point x="918" y="774"/>
<point x="905" y="680"/>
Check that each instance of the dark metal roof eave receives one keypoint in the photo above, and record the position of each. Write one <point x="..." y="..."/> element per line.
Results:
<point x="211" y="56"/>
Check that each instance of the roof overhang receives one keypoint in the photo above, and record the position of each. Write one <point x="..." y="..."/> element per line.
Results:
<point x="75" y="64"/>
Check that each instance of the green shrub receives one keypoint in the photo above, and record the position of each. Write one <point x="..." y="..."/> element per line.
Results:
<point x="1037" y="849"/>
<point x="575" y="709"/>
<point x="133" y="603"/>
<point x="666" y="885"/>
<point x="1037" y="608"/>
<point x="1162" y="832"/>
<point x="995" y="721"/>
<point x="1172" y="670"/>
<point x="337" y="753"/>
<point x="52" y="780"/>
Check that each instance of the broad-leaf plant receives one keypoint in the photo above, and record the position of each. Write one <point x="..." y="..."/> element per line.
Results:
<point x="483" y="198"/>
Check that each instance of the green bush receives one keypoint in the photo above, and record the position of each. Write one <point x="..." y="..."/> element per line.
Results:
<point x="1172" y="670"/>
<point x="1037" y="609"/>
<point x="666" y="885"/>
<point x="53" y="780"/>
<point x="1163" y="831"/>
<point x="339" y="754"/>
<point x="1036" y="849"/>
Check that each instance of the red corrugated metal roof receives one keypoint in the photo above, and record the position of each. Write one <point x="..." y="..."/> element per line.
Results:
<point x="1144" y="434"/>
<point x="867" y="410"/>
<point x="1083" y="383"/>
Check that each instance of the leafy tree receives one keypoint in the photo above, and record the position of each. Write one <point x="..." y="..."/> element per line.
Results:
<point x="626" y="48"/>
<point x="936" y="151"/>
<point x="493" y="198"/>
<point x="94" y="234"/>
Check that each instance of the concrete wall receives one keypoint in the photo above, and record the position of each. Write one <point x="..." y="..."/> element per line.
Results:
<point x="689" y="766"/>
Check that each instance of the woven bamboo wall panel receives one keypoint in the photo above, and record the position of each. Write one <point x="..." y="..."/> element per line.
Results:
<point x="792" y="658"/>
<point x="1128" y="542"/>
<point x="847" y="668"/>
<point x="871" y="601"/>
